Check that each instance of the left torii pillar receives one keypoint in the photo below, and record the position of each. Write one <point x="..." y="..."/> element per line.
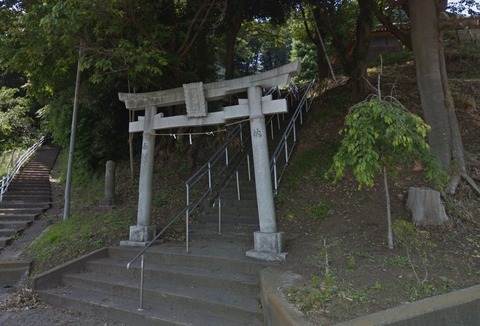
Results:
<point x="144" y="231"/>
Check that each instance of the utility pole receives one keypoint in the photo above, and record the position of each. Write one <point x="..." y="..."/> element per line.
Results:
<point x="68" y="184"/>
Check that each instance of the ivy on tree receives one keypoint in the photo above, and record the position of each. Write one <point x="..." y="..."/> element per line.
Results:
<point x="380" y="135"/>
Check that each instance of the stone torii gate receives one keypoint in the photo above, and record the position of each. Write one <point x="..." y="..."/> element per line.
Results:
<point x="268" y="241"/>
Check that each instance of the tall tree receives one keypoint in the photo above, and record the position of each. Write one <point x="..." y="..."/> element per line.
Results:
<point x="437" y="103"/>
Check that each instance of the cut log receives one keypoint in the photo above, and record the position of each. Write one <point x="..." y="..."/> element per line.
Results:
<point x="426" y="206"/>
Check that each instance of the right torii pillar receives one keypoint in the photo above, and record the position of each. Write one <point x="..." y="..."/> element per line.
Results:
<point x="268" y="243"/>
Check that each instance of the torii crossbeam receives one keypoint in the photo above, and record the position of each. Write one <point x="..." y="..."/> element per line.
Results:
<point x="268" y="241"/>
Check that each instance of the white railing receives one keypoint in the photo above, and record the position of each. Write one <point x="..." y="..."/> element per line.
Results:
<point x="7" y="179"/>
<point x="284" y="150"/>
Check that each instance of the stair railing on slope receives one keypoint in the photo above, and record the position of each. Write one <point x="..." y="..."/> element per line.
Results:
<point x="7" y="179"/>
<point x="301" y="110"/>
<point x="283" y="152"/>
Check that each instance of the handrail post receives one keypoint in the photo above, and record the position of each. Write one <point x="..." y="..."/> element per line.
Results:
<point x="219" y="215"/>
<point x="2" y="190"/>
<point x="187" y="216"/>
<point x="271" y="128"/>
<point x="248" y="168"/>
<point x="294" y="133"/>
<point x="286" y="151"/>
<point x="142" y="261"/>
<point x="226" y="156"/>
<point x="238" y="185"/>
<point x="275" y="173"/>
<point x="209" y="176"/>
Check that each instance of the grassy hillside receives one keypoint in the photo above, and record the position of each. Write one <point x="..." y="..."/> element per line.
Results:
<point x="339" y="232"/>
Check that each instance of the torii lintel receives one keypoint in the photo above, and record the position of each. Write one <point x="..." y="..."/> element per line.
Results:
<point x="212" y="91"/>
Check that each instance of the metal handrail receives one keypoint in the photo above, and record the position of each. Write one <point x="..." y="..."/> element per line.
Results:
<point x="7" y="179"/>
<point x="290" y="130"/>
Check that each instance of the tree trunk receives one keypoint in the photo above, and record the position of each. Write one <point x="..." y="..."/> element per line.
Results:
<point x="234" y="19"/>
<point x="357" y="68"/>
<point x="402" y="36"/>
<point x="427" y="51"/>
<point x="426" y="207"/>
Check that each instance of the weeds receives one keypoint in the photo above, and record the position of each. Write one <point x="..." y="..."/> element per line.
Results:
<point x="414" y="242"/>
<point x="320" y="211"/>
<point x="397" y="261"/>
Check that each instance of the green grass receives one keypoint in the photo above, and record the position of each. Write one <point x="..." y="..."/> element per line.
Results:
<point x="397" y="261"/>
<point x="319" y="211"/>
<point x="87" y="228"/>
<point x="79" y="235"/>
<point x="310" y="163"/>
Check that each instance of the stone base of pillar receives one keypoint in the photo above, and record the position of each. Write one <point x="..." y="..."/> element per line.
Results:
<point x="268" y="246"/>
<point x="140" y="235"/>
<point x="107" y="203"/>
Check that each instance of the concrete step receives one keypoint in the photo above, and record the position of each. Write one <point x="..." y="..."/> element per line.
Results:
<point x="39" y="206"/>
<point x="32" y="180"/>
<point x="5" y="241"/>
<point x="126" y="309"/>
<point x="9" y="232"/>
<point x="162" y="292"/>
<point x="12" y="271"/>
<point x="227" y="231"/>
<point x="14" y="224"/>
<point x="29" y="192"/>
<point x="232" y="195"/>
<point x="19" y="211"/>
<point x="233" y="210"/>
<point x="215" y="279"/>
<point x="203" y="262"/>
<point x="238" y="203"/>
<point x="29" y="186"/>
<point x="31" y="198"/>
<point x="230" y="219"/>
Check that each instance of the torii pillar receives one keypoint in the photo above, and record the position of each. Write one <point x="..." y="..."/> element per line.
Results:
<point x="268" y="242"/>
<point x="144" y="230"/>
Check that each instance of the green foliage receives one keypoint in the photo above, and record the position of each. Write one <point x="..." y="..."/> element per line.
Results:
<point x="306" y="53"/>
<point x="101" y="133"/>
<point x="261" y="46"/>
<point x="381" y="134"/>
<point x="316" y="294"/>
<point x="16" y="126"/>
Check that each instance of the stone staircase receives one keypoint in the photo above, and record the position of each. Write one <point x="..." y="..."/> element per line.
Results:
<point x="28" y="195"/>
<point x="214" y="284"/>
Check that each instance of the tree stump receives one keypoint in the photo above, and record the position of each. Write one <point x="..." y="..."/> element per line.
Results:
<point x="426" y="206"/>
